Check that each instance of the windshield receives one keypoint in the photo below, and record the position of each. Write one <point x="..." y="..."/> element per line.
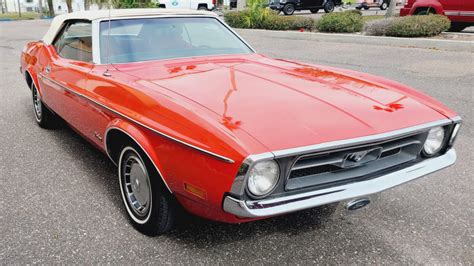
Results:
<point x="134" y="40"/>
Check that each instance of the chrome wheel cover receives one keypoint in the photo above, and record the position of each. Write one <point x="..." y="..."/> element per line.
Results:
<point x="135" y="185"/>
<point x="38" y="106"/>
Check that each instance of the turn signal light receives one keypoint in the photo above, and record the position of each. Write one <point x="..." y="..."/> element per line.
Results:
<point x="198" y="192"/>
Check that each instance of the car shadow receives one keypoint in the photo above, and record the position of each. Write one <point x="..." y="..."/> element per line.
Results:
<point x="201" y="233"/>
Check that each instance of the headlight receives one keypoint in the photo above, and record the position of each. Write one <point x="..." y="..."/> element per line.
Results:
<point x="263" y="177"/>
<point x="434" y="142"/>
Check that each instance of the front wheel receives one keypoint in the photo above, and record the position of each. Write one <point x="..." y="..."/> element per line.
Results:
<point x="203" y="8"/>
<point x="384" y="6"/>
<point x="329" y="7"/>
<point x="314" y="10"/>
<point x="43" y="116"/>
<point x="149" y="205"/>
<point x="289" y="9"/>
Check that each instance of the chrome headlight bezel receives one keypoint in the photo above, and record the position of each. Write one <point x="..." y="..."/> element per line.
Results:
<point x="454" y="133"/>
<point x="256" y="172"/>
<point x="437" y="138"/>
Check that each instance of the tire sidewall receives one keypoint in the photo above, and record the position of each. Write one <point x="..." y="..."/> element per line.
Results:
<point x="329" y="7"/>
<point x="285" y="9"/>
<point x="34" y="90"/>
<point x="123" y="155"/>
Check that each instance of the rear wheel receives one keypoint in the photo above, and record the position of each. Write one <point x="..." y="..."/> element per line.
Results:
<point x="329" y="7"/>
<point x="314" y="10"/>
<point x="289" y="9"/>
<point x="202" y="8"/>
<point x="149" y="205"/>
<point x="457" y="27"/>
<point x="43" y="116"/>
<point x="384" y="6"/>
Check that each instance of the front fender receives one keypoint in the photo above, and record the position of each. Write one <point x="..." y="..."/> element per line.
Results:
<point x="139" y="136"/>
<point x="29" y="61"/>
<point x="181" y="166"/>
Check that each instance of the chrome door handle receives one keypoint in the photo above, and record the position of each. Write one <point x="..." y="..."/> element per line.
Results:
<point x="47" y="69"/>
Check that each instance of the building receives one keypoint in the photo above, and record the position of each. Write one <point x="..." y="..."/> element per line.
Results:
<point x="60" y="6"/>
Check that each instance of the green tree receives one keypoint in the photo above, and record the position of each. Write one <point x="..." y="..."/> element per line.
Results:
<point x="134" y="4"/>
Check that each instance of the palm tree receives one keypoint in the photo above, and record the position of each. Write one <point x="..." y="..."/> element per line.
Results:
<point x="69" y="6"/>
<point x="391" y="8"/>
<point x="51" y="8"/>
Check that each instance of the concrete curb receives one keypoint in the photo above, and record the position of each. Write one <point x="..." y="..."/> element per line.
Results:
<point x="423" y="43"/>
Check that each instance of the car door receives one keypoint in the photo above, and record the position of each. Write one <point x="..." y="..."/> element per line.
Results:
<point x="65" y="72"/>
<point x="306" y="4"/>
<point x="467" y="11"/>
<point x="452" y="7"/>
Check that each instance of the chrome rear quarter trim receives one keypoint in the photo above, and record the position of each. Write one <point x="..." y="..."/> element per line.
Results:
<point x="282" y="205"/>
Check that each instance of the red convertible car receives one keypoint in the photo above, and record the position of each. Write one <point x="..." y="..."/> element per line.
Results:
<point x="193" y="116"/>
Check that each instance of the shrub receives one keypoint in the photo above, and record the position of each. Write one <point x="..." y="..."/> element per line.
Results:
<point x="256" y="14"/>
<point x="236" y="19"/>
<point x="411" y="26"/>
<point x="276" y="22"/>
<point x="347" y="21"/>
<point x="418" y="26"/>
<point x="378" y="27"/>
<point x="271" y="21"/>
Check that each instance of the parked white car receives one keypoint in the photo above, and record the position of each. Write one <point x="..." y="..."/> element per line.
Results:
<point x="189" y="4"/>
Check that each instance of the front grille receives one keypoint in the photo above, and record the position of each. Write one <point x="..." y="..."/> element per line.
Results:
<point x="351" y="163"/>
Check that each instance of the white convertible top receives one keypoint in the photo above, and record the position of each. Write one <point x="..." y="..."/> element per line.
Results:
<point x="116" y="13"/>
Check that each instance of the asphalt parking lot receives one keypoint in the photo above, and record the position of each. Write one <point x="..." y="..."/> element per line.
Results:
<point x="60" y="198"/>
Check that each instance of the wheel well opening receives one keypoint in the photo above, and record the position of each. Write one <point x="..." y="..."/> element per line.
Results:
<point x="116" y="140"/>
<point x="425" y="10"/>
<point x="29" y="79"/>
<point x="202" y="5"/>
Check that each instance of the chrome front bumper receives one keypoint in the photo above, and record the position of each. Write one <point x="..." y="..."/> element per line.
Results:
<point x="281" y="205"/>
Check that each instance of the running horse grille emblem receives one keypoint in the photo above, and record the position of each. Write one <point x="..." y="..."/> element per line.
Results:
<point x="356" y="156"/>
<point x="359" y="158"/>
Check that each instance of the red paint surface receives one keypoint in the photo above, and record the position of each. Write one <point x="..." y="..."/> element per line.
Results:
<point x="233" y="106"/>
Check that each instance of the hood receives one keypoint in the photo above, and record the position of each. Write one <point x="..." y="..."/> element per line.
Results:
<point x="283" y="104"/>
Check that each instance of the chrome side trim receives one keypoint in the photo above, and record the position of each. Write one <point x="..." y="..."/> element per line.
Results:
<point x="459" y="13"/>
<point x="217" y="156"/>
<point x="282" y="205"/>
<point x="126" y="133"/>
<point x="451" y="13"/>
